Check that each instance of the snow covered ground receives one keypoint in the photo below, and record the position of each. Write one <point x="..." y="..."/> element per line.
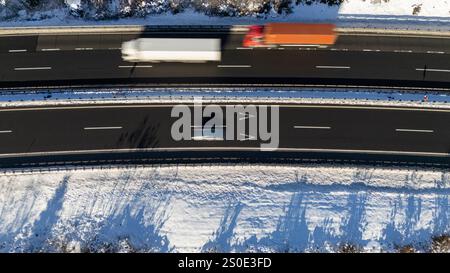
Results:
<point x="409" y="14"/>
<point x="224" y="208"/>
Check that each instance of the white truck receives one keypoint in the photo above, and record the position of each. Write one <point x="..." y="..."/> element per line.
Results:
<point x="171" y="50"/>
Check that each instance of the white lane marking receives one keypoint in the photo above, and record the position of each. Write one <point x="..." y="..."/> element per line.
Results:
<point x="135" y="66"/>
<point x="313" y="127"/>
<point x="367" y="50"/>
<point x="84" y="48"/>
<point x="32" y="68"/>
<point x="114" y="48"/>
<point x="17" y="50"/>
<point x="5" y="131"/>
<point x="244" y="48"/>
<point x="201" y="127"/>
<point x="403" y="51"/>
<point x="50" y="49"/>
<point x="247" y="137"/>
<point x="414" y="130"/>
<point x="433" y="70"/>
<point x="103" y="128"/>
<point x="226" y="149"/>
<point x="207" y="138"/>
<point x="332" y="67"/>
<point x="435" y="52"/>
<point x="234" y="66"/>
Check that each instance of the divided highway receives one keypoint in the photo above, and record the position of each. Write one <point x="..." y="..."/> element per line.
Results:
<point x="113" y="133"/>
<point x="356" y="59"/>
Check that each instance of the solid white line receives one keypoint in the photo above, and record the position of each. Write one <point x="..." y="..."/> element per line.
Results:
<point x="32" y="68"/>
<point x="234" y="66"/>
<point x="332" y="67"/>
<point x="135" y="66"/>
<point x="17" y="50"/>
<point x="433" y="70"/>
<point x="50" y="49"/>
<point x="414" y="130"/>
<point x="103" y="128"/>
<point x="5" y="132"/>
<point x="313" y="127"/>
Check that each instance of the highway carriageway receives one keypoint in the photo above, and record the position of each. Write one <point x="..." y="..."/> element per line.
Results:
<point x="115" y="134"/>
<point x="355" y="59"/>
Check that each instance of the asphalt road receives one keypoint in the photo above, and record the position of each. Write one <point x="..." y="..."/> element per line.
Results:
<point x="81" y="130"/>
<point x="43" y="60"/>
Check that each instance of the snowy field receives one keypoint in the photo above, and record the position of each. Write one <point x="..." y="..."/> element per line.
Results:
<point x="409" y="14"/>
<point x="224" y="208"/>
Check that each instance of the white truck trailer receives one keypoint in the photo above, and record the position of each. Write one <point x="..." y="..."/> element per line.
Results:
<point x="171" y="50"/>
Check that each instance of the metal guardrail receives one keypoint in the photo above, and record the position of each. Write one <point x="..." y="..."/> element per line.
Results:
<point x="191" y="28"/>
<point x="116" y="28"/>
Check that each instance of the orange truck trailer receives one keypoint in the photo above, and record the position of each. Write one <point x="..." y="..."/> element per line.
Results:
<point x="274" y="34"/>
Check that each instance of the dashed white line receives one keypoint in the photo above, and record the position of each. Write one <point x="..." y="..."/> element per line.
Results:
<point x="234" y="66"/>
<point x="17" y="50"/>
<point x="414" y="130"/>
<point x="84" y="48"/>
<point x="435" y="52"/>
<point x="244" y="48"/>
<point x="50" y="49"/>
<point x="135" y="66"/>
<point x="313" y="127"/>
<point x="403" y="51"/>
<point x="5" y="131"/>
<point x="433" y="70"/>
<point x="32" y="68"/>
<point x="104" y="128"/>
<point x="332" y="67"/>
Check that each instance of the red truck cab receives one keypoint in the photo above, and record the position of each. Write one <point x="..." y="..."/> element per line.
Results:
<point x="254" y="37"/>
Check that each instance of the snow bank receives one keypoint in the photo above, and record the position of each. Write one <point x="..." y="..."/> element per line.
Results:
<point x="223" y="208"/>
<point x="414" y="14"/>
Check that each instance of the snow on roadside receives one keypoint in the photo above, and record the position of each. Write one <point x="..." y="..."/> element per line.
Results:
<point x="223" y="208"/>
<point x="409" y="14"/>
